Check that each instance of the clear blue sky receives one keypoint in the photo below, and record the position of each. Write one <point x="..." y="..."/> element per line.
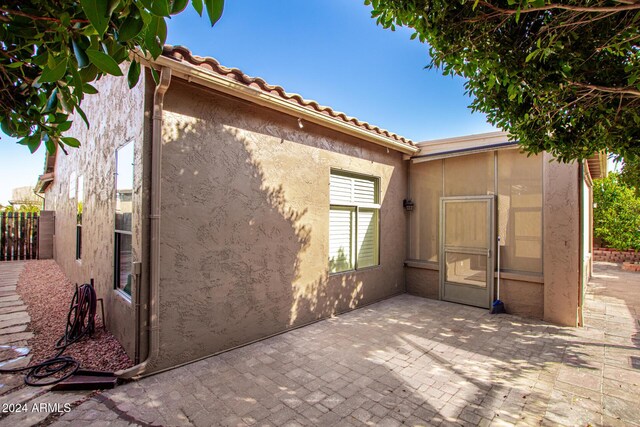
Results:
<point x="330" y="51"/>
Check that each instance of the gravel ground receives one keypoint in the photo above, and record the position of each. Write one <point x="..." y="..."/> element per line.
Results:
<point x="47" y="293"/>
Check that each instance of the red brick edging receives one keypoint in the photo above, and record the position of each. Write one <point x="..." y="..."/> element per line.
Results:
<point x="613" y="255"/>
<point x="629" y="266"/>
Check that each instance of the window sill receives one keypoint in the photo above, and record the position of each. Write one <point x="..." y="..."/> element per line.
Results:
<point x="120" y="294"/>
<point x="363" y="269"/>
<point x="425" y="265"/>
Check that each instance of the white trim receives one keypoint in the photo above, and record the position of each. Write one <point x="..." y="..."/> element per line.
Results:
<point x="462" y="145"/>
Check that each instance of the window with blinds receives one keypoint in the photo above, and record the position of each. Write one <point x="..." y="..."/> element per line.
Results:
<point x="354" y="240"/>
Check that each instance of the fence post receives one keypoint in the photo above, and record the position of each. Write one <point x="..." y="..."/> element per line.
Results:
<point x="3" y="238"/>
<point x="36" y="239"/>
<point x="19" y="235"/>
<point x="22" y="236"/>
<point x="27" y="233"/>
<point x="11" y="222"/>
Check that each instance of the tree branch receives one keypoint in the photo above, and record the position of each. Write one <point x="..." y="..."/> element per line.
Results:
<point x="552" y="6"/>
<point x="622" y="90"/>
<point x="40" y="18"/>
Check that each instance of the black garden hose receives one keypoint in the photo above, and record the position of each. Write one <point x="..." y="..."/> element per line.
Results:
<point x="80" y="322"/>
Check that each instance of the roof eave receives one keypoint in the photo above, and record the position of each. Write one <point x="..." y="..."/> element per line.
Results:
<point x="597" y="165"/>
<point x="463" y="145"/>
<point x="44" y="181"/>
<point x="201" y="76"/>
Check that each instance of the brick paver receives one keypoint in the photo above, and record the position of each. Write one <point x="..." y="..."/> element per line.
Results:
<point x="408" y="361"/>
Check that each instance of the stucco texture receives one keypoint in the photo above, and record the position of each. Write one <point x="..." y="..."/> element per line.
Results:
<point x="423" y="282"/>
<point x="245" y="224"/>
<point x="561" y="242"/>
<point x="538" y="219"/>
<point x="116" y="117"/>
<point x="523" y="298"/>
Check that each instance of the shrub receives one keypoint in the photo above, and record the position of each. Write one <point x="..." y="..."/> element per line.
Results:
<point x="616" y="214"/>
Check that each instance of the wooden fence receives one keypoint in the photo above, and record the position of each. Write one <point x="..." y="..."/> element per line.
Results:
<point x="18" y="236"/>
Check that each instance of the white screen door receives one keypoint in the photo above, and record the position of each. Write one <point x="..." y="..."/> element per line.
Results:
<point x="466" y="249"/>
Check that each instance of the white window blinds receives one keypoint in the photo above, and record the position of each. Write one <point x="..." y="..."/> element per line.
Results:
<point x="353" y="222"/>
<point x="341" y="227"/>
<point x="351" y="190"/>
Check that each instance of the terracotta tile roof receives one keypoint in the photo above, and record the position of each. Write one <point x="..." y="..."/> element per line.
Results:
<point x="182" y="54"/>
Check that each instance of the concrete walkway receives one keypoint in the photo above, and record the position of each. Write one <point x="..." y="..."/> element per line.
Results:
<point x="408" y="361"/>
<point x="21" y="405"/>
<point x="14" y="321"/>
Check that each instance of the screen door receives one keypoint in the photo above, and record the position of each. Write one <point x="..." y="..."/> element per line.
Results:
<point x="466" y="250"/>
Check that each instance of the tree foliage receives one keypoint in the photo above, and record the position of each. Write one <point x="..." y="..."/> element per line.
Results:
<point x="616" y="215"/>
<point x="559" y="76"/>
<point x="630" y="174"/>
<point x="51" y="51"/>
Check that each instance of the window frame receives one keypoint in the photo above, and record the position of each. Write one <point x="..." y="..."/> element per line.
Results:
<point x="117" y="264"/>
<point x="79" y="212"/>
<point x="355" y="207"/>
<point x="118" y="233"/>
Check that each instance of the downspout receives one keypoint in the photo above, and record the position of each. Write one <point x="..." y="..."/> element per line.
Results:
<point x="43" y="199"/>
<point x="154" y="219"/>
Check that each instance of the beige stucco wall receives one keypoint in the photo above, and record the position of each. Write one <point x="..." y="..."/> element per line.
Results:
<point x="422" y="282"/>
<point x="561" y="242"/>
<point x="116" y="117"/>
<point x="540" y="283"/>
<point x="523" y="298"/>
<point x="244" y="227"/>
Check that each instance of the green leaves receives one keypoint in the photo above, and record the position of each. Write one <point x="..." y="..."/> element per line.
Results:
<point x="157" y="7"/>
<point x="97" y="11"/>
<point x="616" y="215"/>
<point x="214" y="10"/>
<point x="81" y="55"/>
<point x="52" y="102"/>
<point x="197" y="5"/>
<point x="178" y="6"/>
<point x="71" y="142"/>
<point x="134" y="74"/>
<point x="52" y="51"/>
<point x="104" y="62"/>
<point x="155" y="36"/>
<point x="559" y="80"/>
<point x="53" y="73"/>
<point x="131" y="27"/>
<point x="32" y="142"/>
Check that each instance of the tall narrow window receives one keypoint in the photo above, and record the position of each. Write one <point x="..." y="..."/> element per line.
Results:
<point x="80" y="207"/>
<point x="354" y="240"/>
<point x="73" y="181"/>
<point x="124" y="210"/>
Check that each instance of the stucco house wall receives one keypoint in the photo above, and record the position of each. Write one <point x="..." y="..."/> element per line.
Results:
<point x="245" y="223"/>
<point x="539" y="274"/>
<point x="245" y="213"/>
<point x="116" y="117"/>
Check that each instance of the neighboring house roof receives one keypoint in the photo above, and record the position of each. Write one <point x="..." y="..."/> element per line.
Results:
<point x="210" y="65"/>
<point x="597" y="165"/>
<point x="24" y="196"/>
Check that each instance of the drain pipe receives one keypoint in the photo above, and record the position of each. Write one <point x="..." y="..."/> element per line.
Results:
<point x="154" y="219"/>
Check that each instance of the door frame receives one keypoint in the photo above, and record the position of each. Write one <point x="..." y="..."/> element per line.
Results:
<point x="491" y="251"/>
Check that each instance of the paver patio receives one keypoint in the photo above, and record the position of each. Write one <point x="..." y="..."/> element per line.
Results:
<point x="411" y="361"/>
